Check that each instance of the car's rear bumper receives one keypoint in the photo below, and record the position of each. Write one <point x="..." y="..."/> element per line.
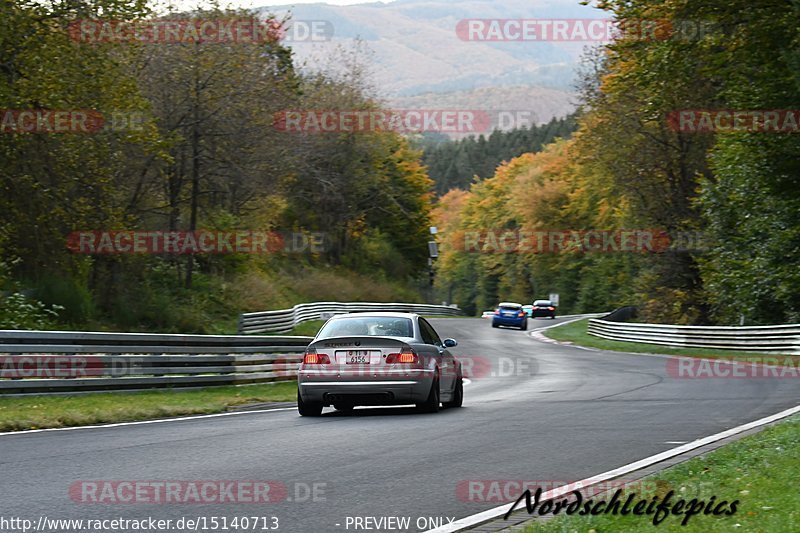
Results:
<point x="515" y="322"/>
<point x="365" y="388"/>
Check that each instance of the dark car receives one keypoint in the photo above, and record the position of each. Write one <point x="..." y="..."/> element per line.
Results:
<point x="543" y="308"/>
<point x="510" y="314"/>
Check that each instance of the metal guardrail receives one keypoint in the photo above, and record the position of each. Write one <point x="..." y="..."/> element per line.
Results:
<point x="61" y="361"/>
<point x="778" y="339"/>
<point x="284" y="320"/>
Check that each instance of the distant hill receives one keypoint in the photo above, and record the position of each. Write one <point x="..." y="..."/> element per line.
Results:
<point x="420" y="61"/>
<point x="509" y="107"/>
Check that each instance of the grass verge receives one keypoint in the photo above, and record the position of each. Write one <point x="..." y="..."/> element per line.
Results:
<point x="35" y="412"/>
<point x="308" y="329"/>
<point x="760" y="471"/>
<point x="575" y="332"/>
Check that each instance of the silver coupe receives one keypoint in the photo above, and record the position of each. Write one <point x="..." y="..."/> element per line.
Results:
<point x="378" y="359"/>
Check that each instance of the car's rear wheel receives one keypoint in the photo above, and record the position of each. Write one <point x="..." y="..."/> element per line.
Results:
<point x="344" y="407"/>
<point x="458" y="394"/>
<point x="431" y="405"/>
<point x="308" y="408"/>
<point x="494" y="325"/>
<point x="524" y="326"/>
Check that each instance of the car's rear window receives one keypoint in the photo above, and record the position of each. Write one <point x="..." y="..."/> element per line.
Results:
<point x="373" y="326"/>
<point x="510" y="308"/>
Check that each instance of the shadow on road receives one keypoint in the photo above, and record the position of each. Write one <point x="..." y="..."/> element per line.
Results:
<point x="359" y="412"/>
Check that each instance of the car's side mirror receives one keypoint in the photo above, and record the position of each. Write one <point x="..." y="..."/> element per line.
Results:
<point x="450" y="343"/>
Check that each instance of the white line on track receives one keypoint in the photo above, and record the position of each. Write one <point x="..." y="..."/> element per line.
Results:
<point x="491" y="514"/>
<point x="536" y="333"/>
<point x="467" y="381"/>
<point x="142" y="422"/>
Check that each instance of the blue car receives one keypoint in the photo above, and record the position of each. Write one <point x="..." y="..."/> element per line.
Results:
<point x="511" y="315"/>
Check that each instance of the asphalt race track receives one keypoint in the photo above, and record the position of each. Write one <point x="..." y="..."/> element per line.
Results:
<point x="532" y="411"/>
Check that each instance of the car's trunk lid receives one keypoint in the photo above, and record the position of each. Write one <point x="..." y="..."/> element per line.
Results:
<point x="359" y="350"/>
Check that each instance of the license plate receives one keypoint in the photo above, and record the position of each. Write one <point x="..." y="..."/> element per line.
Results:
<point x="356" y="357"/>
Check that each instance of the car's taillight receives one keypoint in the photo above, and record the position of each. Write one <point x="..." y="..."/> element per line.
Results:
<point x="407" y="357"/>
<point x="521" y="314"/>
<point x="497" y="312"/>
<point x="552" y="308"/>
<point x="311" y="357"/>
